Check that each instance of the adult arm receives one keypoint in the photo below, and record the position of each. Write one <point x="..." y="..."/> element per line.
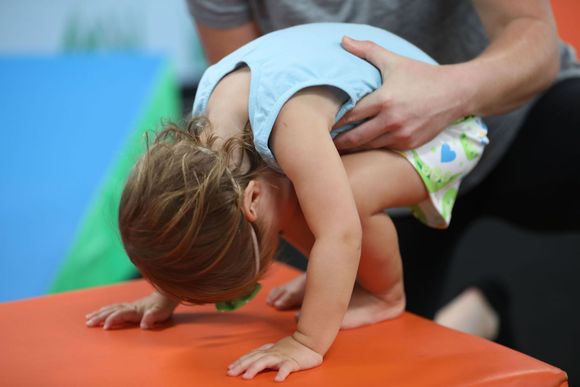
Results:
<point x="219" y="42"/>
<point x="223" y="25"/>
<point x="417" y="100"/>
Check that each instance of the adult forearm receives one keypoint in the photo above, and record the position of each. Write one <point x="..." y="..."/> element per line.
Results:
<point x="522" y="60"/>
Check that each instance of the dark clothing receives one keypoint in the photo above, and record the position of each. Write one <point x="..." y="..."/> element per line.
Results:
<point x="535" y="186"/>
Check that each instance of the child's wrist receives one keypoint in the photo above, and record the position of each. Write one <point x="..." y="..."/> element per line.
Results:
<point x="309" y="343"/>
<point x="166" y="299"/>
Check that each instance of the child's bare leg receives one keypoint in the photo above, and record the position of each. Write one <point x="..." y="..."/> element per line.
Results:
<point x="379" y="179"/>
<point x="470" y="312"/>
<point x="379" y="273"/>
<point x="379" y="293"/>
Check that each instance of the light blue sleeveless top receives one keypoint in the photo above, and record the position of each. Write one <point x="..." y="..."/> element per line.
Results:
<point x="285" y="61"/>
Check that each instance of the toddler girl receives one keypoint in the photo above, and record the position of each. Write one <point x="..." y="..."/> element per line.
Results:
<point x="203" y="208"/>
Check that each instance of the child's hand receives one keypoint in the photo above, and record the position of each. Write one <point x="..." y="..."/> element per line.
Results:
<point x="146" y="312"/>
<point x="287" y="355"/>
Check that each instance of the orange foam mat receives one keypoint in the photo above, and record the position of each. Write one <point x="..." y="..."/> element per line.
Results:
<point x="45" y="343"/>
<point x="567" y="13"/>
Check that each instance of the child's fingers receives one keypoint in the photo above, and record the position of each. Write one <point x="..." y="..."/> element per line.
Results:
<point x="285" y="369"/>
<point x="238" y="368"/>
<point x="243" y="362"/>
<point x="121" y="317"/>
<point x="100" y="311"/>
<point x="151" y="317"/>
<point x="99" y="317"/>
<point x="264" y="347"/>
<point x="260" y="364"/>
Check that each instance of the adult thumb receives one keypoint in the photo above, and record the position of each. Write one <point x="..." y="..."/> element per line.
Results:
<point x="370" y="51"/>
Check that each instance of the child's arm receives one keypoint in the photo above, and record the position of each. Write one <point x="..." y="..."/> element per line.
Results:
<point x="146" y="311"/>
<point x="305" y="151"/>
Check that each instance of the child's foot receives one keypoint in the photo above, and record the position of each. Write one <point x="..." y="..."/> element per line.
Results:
<point x="366" y="308"/>
<point x="470" y="312"/>
<point x="289" y="295"/>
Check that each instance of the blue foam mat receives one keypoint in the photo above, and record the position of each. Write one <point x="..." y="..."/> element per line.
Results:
<point x="63" y="121"/>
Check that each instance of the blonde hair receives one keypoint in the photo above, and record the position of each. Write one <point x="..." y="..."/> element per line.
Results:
<point x="181" y="219"/>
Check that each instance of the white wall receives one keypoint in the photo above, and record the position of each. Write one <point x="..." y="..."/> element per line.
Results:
<point x="56" y="26"/>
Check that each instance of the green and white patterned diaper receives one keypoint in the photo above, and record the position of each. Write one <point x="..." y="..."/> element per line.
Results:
<point x="442" y="163"/>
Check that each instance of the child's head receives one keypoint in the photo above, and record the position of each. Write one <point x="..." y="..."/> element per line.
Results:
<point x="181" y="218"/>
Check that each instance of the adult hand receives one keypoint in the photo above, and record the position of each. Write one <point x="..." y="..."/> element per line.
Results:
<point x="416" y="101"/>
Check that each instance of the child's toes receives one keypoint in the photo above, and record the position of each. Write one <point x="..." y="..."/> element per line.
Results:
<point x="286" y="301"/>
<point x="297" y="315"/>
<point x="274" y="295"/>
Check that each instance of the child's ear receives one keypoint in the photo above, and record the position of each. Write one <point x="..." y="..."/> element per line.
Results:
<point x="250" y="201"/>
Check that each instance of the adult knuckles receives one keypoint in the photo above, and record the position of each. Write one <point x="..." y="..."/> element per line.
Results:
<point x="402" y="123"/>
<point x="405" y="138"/>
<point x="413" y="143"/>
<point x="385" y="104"/>
<point x="406" y="135"/>
<point x="385" y="101"/>
<point x="395" y="126"/>
<point x="368" y="45"/>
<point x="352" y="139"/>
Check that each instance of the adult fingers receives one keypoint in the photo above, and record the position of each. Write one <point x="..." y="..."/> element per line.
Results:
<point x="367" y="107"/>
<point x="121" y="317"/>
<point x="383" y="141"/>
<point x="365" y="49"/>
<point x="399" y="139"/>
<point x="364" y="134"/>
